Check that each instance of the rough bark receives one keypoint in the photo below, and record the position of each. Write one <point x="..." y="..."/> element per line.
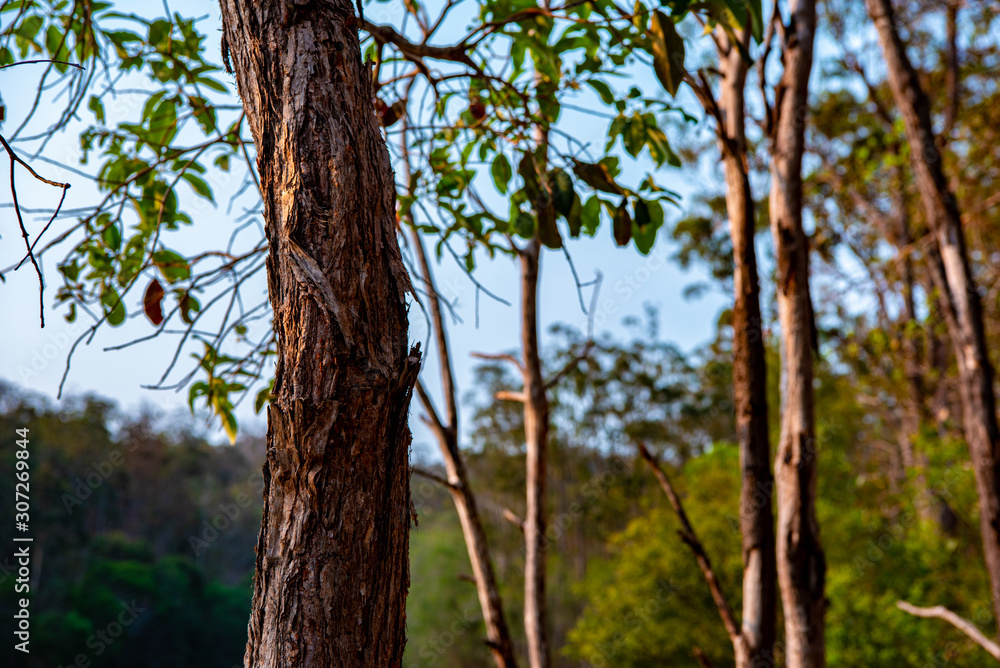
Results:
<point x="536" y="431"/>
<point x="497" y="633"/>
<point x="958" y="293"/>
<point x="801" y="563"/>
<point x="332" y="571"/>
<point x="755" y="645"/>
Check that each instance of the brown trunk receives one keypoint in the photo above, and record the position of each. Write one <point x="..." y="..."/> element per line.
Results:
<point x="755" y="645"/>
<point x="958" y="293"/>
<point x="801" y="564"/>
<point x="536" y="432"/>
<point x="497" y="633"/>
<point x="332" y="571"/>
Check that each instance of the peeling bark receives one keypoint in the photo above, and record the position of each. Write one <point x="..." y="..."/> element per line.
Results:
<point x="332" y="570"/>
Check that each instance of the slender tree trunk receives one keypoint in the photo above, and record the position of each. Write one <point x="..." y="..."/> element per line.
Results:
<point x="955" y="285"/>
<point x="801" y="564"/>
<point x="332" y="571"/>
<point x="497" y="634"/>
<point x="536" y="430"/>
<point x="755" y="646"/>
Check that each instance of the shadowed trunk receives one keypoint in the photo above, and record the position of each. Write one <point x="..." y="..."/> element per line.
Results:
<point x="755" y="645"/>
<point x="955" y="285"/>
<point x="801" y="564"/>
<point x="332" y="571"/>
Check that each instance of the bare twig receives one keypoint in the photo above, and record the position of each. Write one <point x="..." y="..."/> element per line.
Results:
<point x="963" y="625"/>
<point x="508" y="395"/>
<point x="690" y="538"/>
<point x="14" y="161"/>
<point x="500" y="358"/>
<point x="424" y="473"/>
<point x="513" y="518"/>
<point x="700" y="656"/>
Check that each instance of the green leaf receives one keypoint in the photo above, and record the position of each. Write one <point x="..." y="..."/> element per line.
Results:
<point x="112" y="237"/>
<point x="591" y="216"/>
<point x="263" y="397"/>
<point x="113" y="306"/>
<point x="562" y="191"/>
<point x="172" y="265"/>
<point x="501" y="173"/>
<point x="224" y="410"/>
<point x="756" y="19"/>
<point x="603" y="90"/>
<point x="198" y="185"/>
<point x="668" y="52"/>
<point x="154" y="99"/>
<point x="158" y="33"/>
<point x="96" y="106"/>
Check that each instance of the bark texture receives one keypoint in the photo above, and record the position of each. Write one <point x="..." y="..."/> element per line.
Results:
<point x="536" y="430"/>
<point x="497" y="633"/>
<point x="332" y="571"/>
<point x="754" y="647"/>
<point x="801" y="563"/>
<point x="953" y="279"/>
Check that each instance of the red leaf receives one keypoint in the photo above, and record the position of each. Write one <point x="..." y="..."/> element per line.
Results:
<point x="151" y="302"/>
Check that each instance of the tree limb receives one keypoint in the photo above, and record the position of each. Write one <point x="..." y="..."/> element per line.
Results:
<point x="689" y="536"/>
<point x="963" y="625"/>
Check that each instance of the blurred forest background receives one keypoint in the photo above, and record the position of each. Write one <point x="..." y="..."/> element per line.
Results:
<point x="136" y="516"/>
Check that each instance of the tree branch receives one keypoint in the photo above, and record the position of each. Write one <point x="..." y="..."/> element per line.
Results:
<point x="691" y="539"/>
<point x="424" y="473"/>
<point x="499" y="357"/>
<point x="963" y="625"/>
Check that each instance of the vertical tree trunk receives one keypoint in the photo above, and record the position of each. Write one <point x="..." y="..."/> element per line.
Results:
<point x="536" y="431"/>
<point x="801" y="564"/>
<point x="955" y="285"/>
<point x="332" y="570"/>
<point x="755" y="646"/>
<point x="497" y="634"/>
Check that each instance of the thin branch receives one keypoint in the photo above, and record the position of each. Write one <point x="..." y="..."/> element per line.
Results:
<point x="42" y="60"/>
<point x="432" y="421"/>
<point x="424" y="473"/>
<point x="963" y="625"/>
<point x="509" y="395"/>
<point x="500" y="358"/>
<point x="14" y="161"/>
<point x="513" y="518"/>
<point x="691" y="539"/>
<point x="700" y="656"/>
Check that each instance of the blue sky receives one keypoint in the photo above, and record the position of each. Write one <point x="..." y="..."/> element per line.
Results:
<point x="35" y="358"/>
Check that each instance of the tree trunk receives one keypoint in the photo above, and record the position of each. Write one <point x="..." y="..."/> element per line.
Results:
<point x="755" y="645"/>
<point x="536" y="431"/>
<point x="801" y="564"/>
<point x="958" y="293"/>
<point x="497" y="634"/>
<point x="332" y="571"/>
